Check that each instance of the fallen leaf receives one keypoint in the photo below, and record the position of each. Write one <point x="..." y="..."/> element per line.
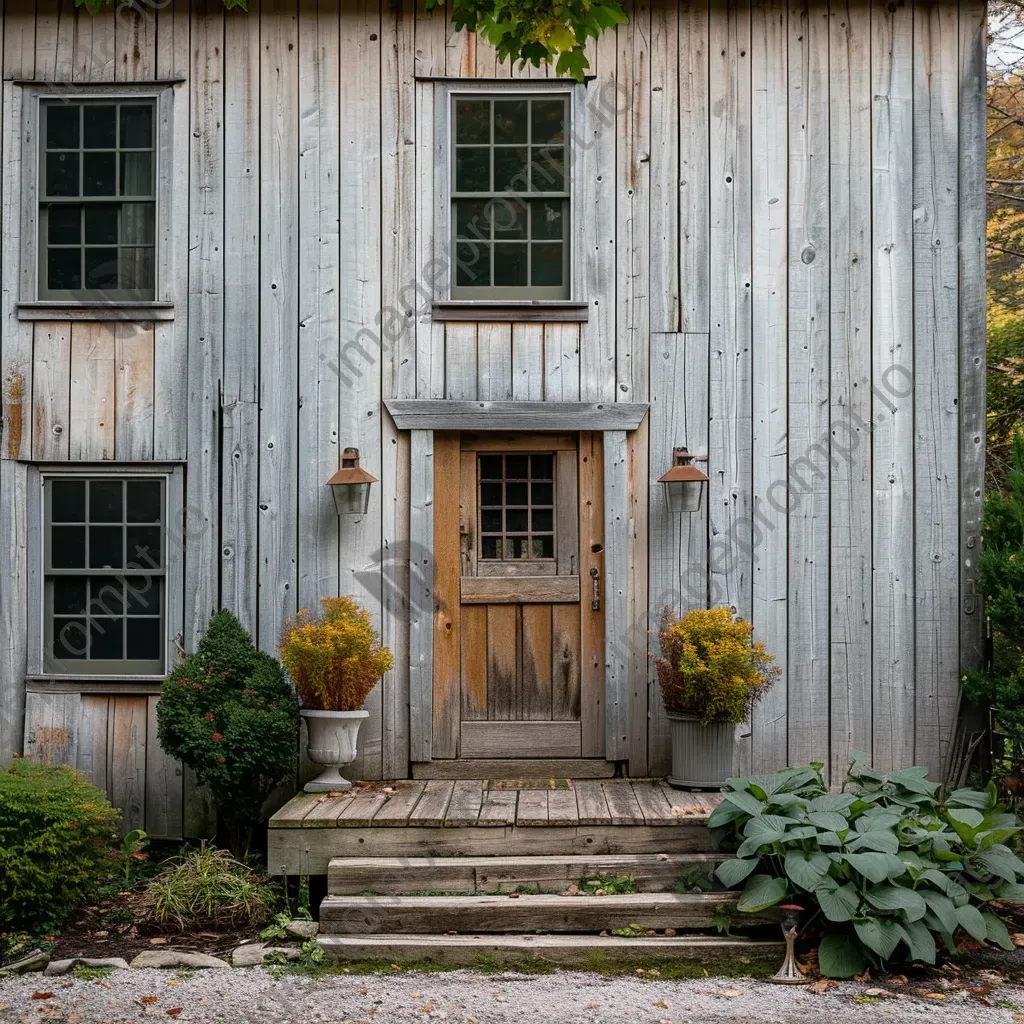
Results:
<point x="41" y="995"/>
<point x="159" y="941"/>
<point x="933" y="995"/>
<point x="660" y="1005"/>
<point x="1017" y="938"/>
<point x="363" y="991"/>
<point x="147" y="999"/>
<point x="669" y="932"/>
<point x="573" y="890"/>
<point x="821" y="986"/>
<point x="415" y="995"/>
<point x="897" y="979"/>
<point x="513" y="895"/>
<point x="879" y="993"/>
<point x="593" y="1006"/>
<point x="174" y="1012"/>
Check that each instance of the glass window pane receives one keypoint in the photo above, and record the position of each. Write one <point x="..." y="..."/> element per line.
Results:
<point x="144" y="547"/>
<point x="472" y="169"/>
<point x="490" y="547"/>
<point x="105" y="547"/>
<point x="547" y="264"/>
<point x="144" y="501"/>
<point x="106" y="639"/>
<point x="105" y="504"/>
<point x="471" y="219"/>
<point x="490" y="494"/>
<point x="99" y="126"/>
<point x="517" y="467"/>
<point x="67" y="501"/>
<point x="138" y="223"/>
<point x="490" y="469"/>
<point x="510" y="120"/>
<point x="510" y="264"/>
<point x="473" y="121"/>
<point x="541" y="494"/>
<point x="101" y="223"/>
<point x="62" y="174"/>
<point x="67" y="547"/>
<point x="548" y="118"/>
<point x="547" y="171"/>
<point x="543" y="521"/>
<point x="490" y="520"/>
<point x="136" y="268"/>
<point x="515" y="520"/>
<point x="143" y="593"/>
<point x="64" y="225"/>
<point x="144" y="639"/>
<point x="62" y="125"/>
<point x="541" y="466"/>
<point x="509" y="218"/>
<point x="106" y="596"/>
<point x="546" y="218"/>
<point x="69" y="595"/>
<point x="101" y="269"/>
<point x="70" y="639"/>
<point x="510" y="172"/>
<point x="472" y="264"/>
<point x="64" y="268"/>
<point x="515" y="494"/>
<point x="136" y="125"/>
<point x="99" y="174"/>
<point x="136" y="174"/>
<point x="544" y="547"/>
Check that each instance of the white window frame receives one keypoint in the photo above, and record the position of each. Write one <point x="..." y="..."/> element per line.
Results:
<point x="444" y="92"/>
<point x="27" y="187"/>
<point x="173" y="569"/>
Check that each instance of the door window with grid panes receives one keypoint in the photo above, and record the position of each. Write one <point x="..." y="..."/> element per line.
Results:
<point x="97" y="199"/>
<point x="510" y="196"/>
<point x="104" y="573"/>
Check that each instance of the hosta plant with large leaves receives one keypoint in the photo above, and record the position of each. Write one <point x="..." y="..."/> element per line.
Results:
<point x="890" y="863"/>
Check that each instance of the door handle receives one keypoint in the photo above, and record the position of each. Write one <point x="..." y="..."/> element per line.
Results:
<point x="595" y="577"/>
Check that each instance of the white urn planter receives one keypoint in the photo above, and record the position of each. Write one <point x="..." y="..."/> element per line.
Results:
<point x="332" y="739"/>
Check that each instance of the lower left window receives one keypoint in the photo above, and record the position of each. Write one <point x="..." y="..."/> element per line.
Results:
<point x="104" y="574"/>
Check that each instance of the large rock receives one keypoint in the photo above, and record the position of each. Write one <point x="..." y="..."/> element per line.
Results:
<point x="64" y="966"/>
<point x="169" y="958"/>
<point x="252" y="954"/>
<point x="303" y="929"/>
<point x="34" y="961"/>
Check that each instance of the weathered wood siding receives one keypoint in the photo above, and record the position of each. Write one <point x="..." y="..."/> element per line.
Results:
<point x="778" y="233"/>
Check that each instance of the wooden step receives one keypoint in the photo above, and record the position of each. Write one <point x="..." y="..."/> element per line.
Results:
<point x="394" y="876"/>
<point x="584" y="952"/>
<point x="419" y="915"/>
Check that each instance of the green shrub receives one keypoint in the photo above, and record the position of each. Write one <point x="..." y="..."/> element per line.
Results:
<point x="889" y="862"/>
<point x="711" y="667"/>
<point x="58" y="836"/>
<point x="229" y="713"/>
<point x="207" y="888"/>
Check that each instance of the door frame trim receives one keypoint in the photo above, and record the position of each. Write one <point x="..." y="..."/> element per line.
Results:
<point x="616" y="592"/>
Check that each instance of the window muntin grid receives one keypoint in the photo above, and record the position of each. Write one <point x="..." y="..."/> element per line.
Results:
<point x="510" y="196"/>
<point x="104" y="574"/>
<point x="516" y="506"/>
<point x="97" y="199"/>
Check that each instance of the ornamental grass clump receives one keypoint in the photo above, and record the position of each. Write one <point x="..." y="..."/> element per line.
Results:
<point x="334" y="658"/>
<point x="889" y="864"/>
<point x="229" y="713"/>
<point x="711" y="667"/>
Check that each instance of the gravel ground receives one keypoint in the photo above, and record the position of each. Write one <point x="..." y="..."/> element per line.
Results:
<point x="236" y="996"/>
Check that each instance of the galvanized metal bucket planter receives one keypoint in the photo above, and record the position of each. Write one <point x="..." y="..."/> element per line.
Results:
<point x="701" y="754"/>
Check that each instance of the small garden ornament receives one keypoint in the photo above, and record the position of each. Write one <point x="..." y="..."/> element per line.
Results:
<point x="789" y="973"/>
<point x="335" y="659"/>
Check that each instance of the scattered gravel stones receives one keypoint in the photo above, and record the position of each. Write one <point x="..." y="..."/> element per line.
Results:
<point x="170" y="958"/>
<point x="34" y="961"/>
<point x="252" y="954"/>
<point x="303" y="929"/>
<point x="64" y="966"/>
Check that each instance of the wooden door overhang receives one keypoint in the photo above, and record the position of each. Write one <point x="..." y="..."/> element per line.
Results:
<point x="614" y="421"/>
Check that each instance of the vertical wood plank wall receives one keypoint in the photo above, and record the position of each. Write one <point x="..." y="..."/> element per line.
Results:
<point x="780" y="243"/>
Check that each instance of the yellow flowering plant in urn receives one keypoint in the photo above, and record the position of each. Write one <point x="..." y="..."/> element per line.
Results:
<point x="334" y="658"/>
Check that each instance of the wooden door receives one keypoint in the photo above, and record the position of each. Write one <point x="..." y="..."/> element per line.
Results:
<point x="519" y="626"/>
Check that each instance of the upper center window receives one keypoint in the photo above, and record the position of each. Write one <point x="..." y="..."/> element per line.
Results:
<point x="97" y="205"/>
<point x="510" y="201"/>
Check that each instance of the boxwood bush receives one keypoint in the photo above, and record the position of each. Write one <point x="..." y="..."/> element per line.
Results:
<point x="889" y="863"/>
<point x="58" y="835"/>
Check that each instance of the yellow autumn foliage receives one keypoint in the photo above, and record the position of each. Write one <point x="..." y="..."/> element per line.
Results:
<point x="710" y="666"/>
<point x="334" y="658"/>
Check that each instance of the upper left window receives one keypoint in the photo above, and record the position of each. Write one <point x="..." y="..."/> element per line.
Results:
<point x="97" y="199"/>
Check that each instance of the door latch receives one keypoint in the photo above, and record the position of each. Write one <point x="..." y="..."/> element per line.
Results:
<point x="595" y="602"/>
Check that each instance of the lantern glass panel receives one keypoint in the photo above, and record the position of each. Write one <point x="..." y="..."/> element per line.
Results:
<point x="684" y="495"/>
<point x="351" y="499"/>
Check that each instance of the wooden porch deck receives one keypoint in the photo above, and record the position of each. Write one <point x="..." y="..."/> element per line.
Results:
<point x="476" y="817"/>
